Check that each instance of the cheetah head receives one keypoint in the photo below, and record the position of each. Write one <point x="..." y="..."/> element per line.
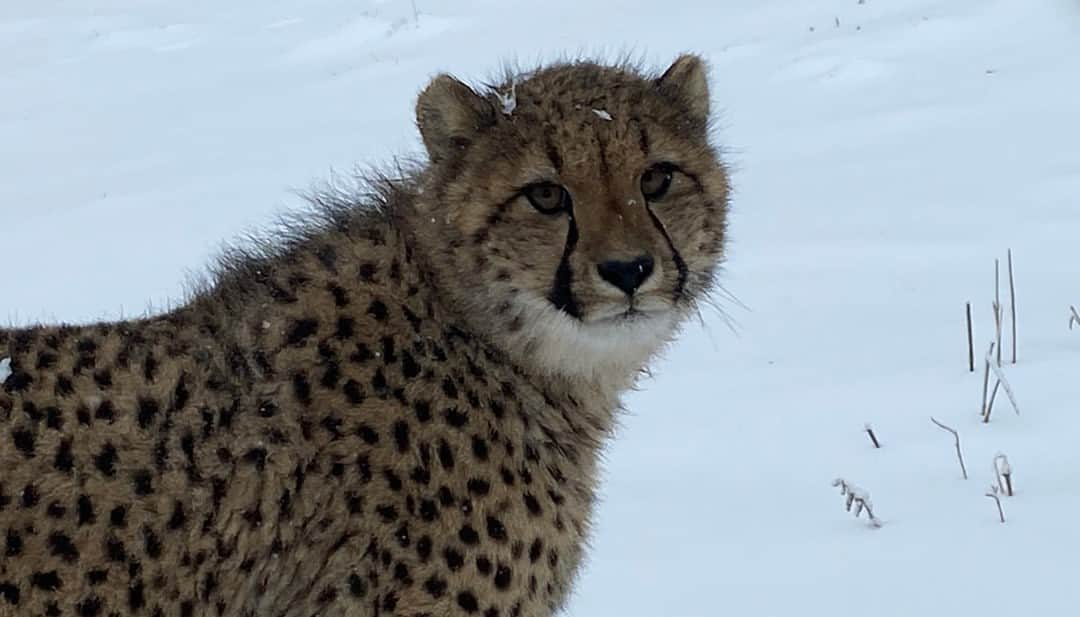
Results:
<point x="576" y="213"/>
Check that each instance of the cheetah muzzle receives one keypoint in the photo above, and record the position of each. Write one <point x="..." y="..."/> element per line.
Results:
<point x="395" y="405"/>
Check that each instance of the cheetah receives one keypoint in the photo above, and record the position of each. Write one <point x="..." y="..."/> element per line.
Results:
<point x="395" y="404"/>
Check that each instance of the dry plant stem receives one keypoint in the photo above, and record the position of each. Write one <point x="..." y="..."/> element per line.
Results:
<point x="997" y="308"/>
<point x="860" y="502"/>
<point x="1004" y="384"/>
<point x="873" y="437"/>
<point x="971" y="341"/>
<point x="1003" y="471"/>
<point x="1074" y="318"/>
<point x="956" y="437"/>
<point x="1012" y="306"/>
<point x="993" y="495"/>
<point x="986" y="381"/>
<point x="990" y="405"/>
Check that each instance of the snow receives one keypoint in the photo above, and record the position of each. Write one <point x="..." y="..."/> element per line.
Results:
<point x="5" y="369"/>
<point x="884" y="155"/>
<point x="508" y="100"/>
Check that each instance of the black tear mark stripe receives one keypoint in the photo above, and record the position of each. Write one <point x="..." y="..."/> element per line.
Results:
<point x="562" y="296"/>
<point x="680" y="264"/>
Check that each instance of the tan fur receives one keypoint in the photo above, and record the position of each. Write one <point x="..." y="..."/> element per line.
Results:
<point x="381" y="413"/>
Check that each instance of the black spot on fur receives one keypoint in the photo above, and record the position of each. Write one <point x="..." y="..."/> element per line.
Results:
<point x="446" y="455"/>
<point x="46" y="581"/>
<point x="85" y="510"/>
<point x="357" y="586"/>
<point x="65" y="460"/>
<point x="9" y="592"/>
<point x="142" y="480"/>
<point x="454" y="560"/>
<point x="301" y="388"/>
<point x="18" y="381"/>
<point x="61" y="546"/>
<point x="30" y="496"/>
<point x="378" y="310"/>
<point x="422" y="410"/>
<point x="496" y="530"/>
<point x="467" y="601"/>
<point x="24" y="442"/>
<point x="346" y="328"/>
<point x="401" y="436"/>
<point x="456" y="418"/>
<point x="468" y="535"/>
<point x="353" y="392"/>
<point x="90" y="607"/>
<point x="148" y="410"/>
<point x="300" y="330"/>
<point x="105" y="411"/>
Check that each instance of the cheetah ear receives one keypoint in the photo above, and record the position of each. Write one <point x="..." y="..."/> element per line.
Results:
<point x="449" y="115"/>
<point x="687" y="81"/>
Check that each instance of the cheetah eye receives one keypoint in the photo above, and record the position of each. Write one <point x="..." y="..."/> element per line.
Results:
<point x="548" y="197"/>
<point x="656" y="181"/>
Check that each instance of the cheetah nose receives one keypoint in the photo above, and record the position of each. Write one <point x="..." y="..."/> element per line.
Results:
<point x="626" y="275"/>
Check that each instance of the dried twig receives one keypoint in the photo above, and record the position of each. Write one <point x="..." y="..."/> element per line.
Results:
<point x="971" y="341"/>
<point x="1003" y="471"/>
<point x="1012" y="306"/>
<point x="992" y="493"/>
<point x="956" y="437"/>
<point x="858" y="498"/>
<point x="1074" y="318"/>
<point x="986" y="381"/>
<point x="990" y="404"/>
<point x="997" y="309"/>
<point x="873" y="438"/>
<point x="1000" y="374"/>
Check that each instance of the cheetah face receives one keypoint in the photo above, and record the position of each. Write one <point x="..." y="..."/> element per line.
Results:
<point x="584" y="206"/>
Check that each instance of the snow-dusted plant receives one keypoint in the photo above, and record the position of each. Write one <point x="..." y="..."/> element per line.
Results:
<point x="986" y="384"/>
<point x="857" y="498"/>
<point x="1003" y="474"/>
<point x="998" y="312"/>
<point x="1000" y="375"/>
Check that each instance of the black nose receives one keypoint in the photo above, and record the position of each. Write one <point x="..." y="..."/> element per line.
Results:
<point x="626" y="275"/>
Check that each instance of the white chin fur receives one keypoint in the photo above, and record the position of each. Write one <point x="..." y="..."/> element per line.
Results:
<point x="609" y="349"/>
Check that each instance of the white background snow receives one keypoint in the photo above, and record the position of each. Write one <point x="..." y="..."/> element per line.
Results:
<point x="884" y="154"/>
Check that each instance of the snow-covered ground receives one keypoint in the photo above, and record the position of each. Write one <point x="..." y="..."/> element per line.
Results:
<point x="885" y="153"/>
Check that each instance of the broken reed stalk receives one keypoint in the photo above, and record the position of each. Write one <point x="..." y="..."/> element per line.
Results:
<point x="873" y="438"/>
<point x="1012" y="306"/>
<point x="1000" y="374"/>
<point x="1003" y="470"/>
<point x="956" y="437"/>
<point x="993" y="494"/>
<point x="1074" y="318"/>
<point x="986" y="381"/>
<point x="997" y="308"/>
<point x="971" y="341"/>
<point x="990" y="404"/>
